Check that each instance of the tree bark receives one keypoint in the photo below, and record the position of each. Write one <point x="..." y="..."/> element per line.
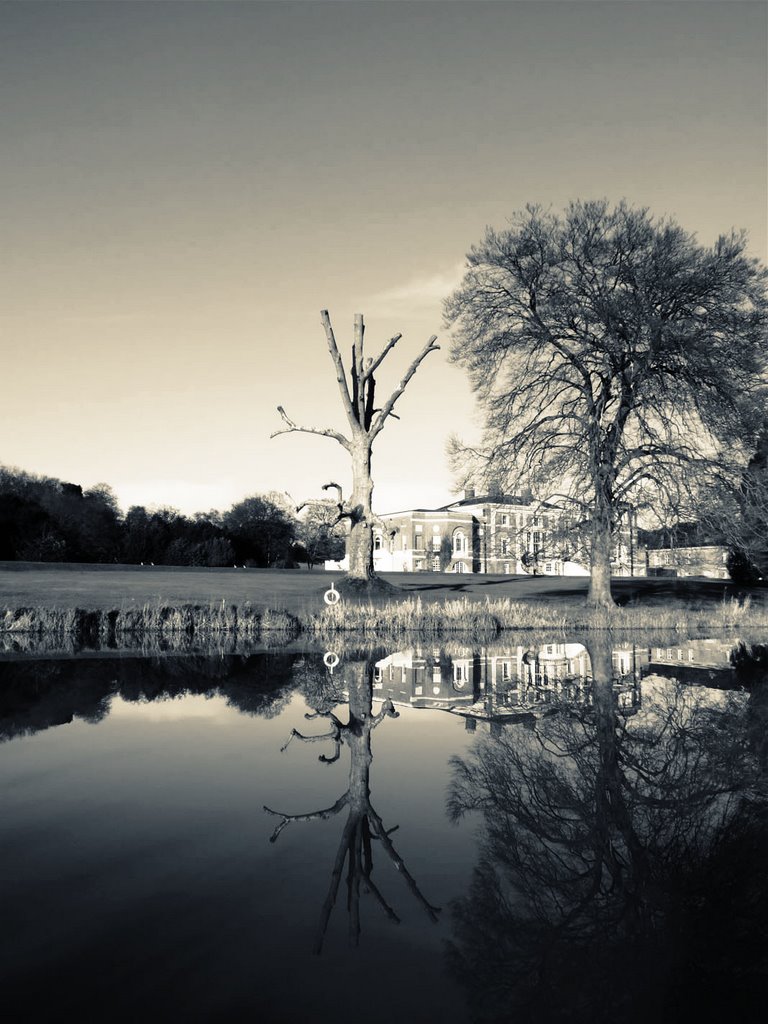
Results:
<point x="599" y="594"/>
<point x="360" y="541"/>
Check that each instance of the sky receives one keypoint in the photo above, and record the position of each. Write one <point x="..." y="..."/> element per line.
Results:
<point x="185" y="185"/>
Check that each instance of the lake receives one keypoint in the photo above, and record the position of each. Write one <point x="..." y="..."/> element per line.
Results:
<point x="550" y="832"/>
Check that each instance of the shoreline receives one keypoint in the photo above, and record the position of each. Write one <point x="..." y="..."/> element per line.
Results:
<point x="409" y="618"/>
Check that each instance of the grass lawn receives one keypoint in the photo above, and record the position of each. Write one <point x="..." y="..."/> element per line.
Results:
<point x="101" y="587"/>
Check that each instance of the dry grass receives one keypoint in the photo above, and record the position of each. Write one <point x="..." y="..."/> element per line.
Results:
<point x="394" y="620"/>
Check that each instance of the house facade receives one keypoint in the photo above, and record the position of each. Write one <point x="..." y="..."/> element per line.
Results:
<point x="493" y="533"/>
<point x="708" y="560"/>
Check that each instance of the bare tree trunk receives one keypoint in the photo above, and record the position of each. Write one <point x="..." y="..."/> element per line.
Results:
<point x="599" y="595"/>
<point x="360" y="541"/>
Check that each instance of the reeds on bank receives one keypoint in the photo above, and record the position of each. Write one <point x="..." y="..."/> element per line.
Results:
<point x="390" y="620"/>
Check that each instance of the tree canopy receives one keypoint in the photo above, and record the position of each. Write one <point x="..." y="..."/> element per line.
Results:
<point x="614" y="357"/>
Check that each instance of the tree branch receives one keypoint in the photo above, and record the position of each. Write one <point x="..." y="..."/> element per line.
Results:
<point x="389" y="404"/>
<point x="340" y="375"/>
<point x="374" y="364"/>
<point x="292" y="427"/>
<point x="323" y="815"/>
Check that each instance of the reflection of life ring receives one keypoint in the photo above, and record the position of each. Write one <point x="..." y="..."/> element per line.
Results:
<point x="330" y="660"/>
<point x="331" y="596"/>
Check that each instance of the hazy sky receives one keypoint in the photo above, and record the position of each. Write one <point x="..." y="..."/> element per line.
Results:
<point x="185" y="185"/>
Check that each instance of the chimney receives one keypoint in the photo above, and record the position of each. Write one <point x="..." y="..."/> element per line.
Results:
<point x="469" y="492"/>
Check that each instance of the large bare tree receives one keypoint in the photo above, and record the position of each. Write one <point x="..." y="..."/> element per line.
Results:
<point x="366" y="421"/>
<point x="612" y="356"/>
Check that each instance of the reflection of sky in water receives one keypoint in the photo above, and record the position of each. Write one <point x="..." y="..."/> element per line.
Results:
<point x="143" y="875"/>
<point x="138" y="877"/>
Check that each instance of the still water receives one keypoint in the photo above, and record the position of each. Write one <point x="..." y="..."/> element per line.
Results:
<point x="555" y="832"/>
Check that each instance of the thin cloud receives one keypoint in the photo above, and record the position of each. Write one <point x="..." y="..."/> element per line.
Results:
<point x="419" y="295"/>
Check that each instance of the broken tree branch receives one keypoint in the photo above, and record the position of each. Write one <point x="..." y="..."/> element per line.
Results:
<point x="291" y="427"/>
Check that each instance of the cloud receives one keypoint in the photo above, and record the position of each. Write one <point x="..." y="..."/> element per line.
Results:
<point x="417" y="296"/>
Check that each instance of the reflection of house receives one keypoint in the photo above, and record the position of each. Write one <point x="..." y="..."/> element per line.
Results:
<point x="702" y="662"/>
<point x="498" y="533"/>
<point x="705" y="560"/>
<point x="426" y="678"/>
<point x="502" y="683"/>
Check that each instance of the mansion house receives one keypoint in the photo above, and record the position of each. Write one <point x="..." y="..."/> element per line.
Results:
<point x="493" y="533"/>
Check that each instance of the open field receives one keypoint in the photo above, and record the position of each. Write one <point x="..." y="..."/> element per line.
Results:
<point x="100" y="587"/>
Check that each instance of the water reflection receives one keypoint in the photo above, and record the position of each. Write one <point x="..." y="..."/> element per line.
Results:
<point x="621" y="867"/>
<point x="363" y="824"/>
<point x="502" y="682"/>
<point x="619" y="791"/>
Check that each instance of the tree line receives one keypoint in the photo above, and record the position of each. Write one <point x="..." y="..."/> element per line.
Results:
<point x="43" y="519"/>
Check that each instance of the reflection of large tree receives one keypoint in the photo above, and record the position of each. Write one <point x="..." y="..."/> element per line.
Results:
<point x="363" y="825"/>
<point x="621" y="866"/>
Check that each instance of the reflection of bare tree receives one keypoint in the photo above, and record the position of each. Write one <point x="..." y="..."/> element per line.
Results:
<point x="608" y="844"/>
<point x="363" y="825"/>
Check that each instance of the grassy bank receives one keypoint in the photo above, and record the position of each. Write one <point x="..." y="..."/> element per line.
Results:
<point x="391" y="621"/>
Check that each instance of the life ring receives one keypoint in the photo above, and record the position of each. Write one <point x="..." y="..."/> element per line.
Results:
<point x="331" y="596"/>
<point x="330" y="660"/>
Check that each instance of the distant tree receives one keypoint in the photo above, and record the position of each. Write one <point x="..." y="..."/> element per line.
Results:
<point x="366" y="422"/>
<point x="22" y="521"/>
<point x="320" y="534"/>
<point x="261" y="531"/>
<point x="612" y="356"/>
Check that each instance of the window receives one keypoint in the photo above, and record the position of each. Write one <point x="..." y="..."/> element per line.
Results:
<point x="436" y="563"/>
<point x="505" y="671"/>
<point x="377" y="542"/>
<point x="436" y="674"/>
<point x="503" y="519"/>
<point x="436" y="542"/>
<point x="506" y="567"/>
<point x="459" y="567"/>
<point x="459" y="542"/>
<point x="504" y="546"/>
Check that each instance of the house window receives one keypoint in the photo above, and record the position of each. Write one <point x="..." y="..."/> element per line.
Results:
<point x="436" y="543"/>
<point x="506" y="567"/>
<point x="460" y="674"/>
<point x="436" y="563"/>
<point x="377" y="542"/>
<point x="504" y="519"/>
<point x="504" y="546"/>
<point x="459" y="542"/>
<point x="505" y="671"/>
<point x="459" y="567"/>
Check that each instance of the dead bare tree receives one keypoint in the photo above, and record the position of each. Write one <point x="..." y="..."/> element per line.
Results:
<point x="366" y="421"/>
<point x="363" y="824"/>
